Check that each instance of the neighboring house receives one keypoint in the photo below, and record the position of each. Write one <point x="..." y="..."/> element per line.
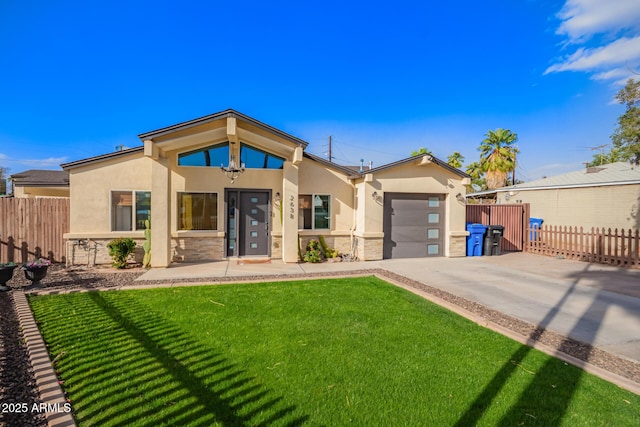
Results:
<point x="40" y="183"/>
<point x="277" y="198"/>
<point x="605" y="196"/>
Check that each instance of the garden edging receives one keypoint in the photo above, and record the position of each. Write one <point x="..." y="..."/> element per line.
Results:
<point x="50" y="391"/>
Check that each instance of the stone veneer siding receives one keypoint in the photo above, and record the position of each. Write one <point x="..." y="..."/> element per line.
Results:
<point x="184" y="249"/>
<point x="369" y="249"/>
<point x="96" y="252"/>
<point x="276" y="247"/>
<point x="457" y="246"/>
<point x="194" y="249"/>
<point x="341" y="243"/>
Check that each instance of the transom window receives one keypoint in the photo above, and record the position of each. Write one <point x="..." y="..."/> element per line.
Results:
<point x="130" y="209"/>
<point x="253" y="158"/>
<point x="212" y="156"/>
<point x="197" y="211"/>
<point x="314" y="212"/>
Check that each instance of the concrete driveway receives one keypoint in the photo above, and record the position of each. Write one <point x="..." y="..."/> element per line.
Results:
<point x="592" y="303"/>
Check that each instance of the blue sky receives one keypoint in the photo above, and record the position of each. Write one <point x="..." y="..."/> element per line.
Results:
<point x="382" y="79"/>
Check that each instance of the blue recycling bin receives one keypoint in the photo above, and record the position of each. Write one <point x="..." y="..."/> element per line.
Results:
<point x="475" y="239"/>
<point x="534" y="225"/>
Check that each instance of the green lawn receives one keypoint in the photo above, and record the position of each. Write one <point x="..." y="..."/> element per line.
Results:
<point x="324" y="352"/>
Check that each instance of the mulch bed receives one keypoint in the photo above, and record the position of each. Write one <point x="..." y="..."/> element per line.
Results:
<point x="16" y="377"/>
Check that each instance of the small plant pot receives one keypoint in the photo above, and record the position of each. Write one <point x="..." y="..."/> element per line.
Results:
<point x="6" y="273"/>
<point x="36" y="274"/>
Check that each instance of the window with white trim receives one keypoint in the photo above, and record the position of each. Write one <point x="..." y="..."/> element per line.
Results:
<point x="314" y="212"/>
<point x="129" y="210"/>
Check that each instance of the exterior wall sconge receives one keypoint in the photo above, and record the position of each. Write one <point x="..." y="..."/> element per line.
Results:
<point x="460" y="198"/>
<point x="374" y="195"/>
<point x="277" y="197"/>
<point x="232" y="171"/>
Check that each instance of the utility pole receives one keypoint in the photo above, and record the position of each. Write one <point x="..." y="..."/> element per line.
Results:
<point x="601" y="148"/>
<point x="329" y="155"/>
<point x="513" y="172"/>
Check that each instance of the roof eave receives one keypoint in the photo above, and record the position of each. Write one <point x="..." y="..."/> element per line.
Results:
<point x="327" y="163"/>
<point x="217" y="116"/>
<point x="431" y="158"/>
<point x="103" y="157"/>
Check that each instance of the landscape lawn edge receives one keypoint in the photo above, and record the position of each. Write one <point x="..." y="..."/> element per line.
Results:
<point x="616" y="379"/>
<point x="47" y="380"/>
<point x="50" y="391"/>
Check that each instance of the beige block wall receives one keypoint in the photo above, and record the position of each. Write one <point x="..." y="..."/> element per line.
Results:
<point x="606" y="206"/>
<point x="20" y="191"/>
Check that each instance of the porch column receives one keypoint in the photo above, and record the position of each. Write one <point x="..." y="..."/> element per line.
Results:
<point x="290" y="212"/>
<point x="160" y="213"/>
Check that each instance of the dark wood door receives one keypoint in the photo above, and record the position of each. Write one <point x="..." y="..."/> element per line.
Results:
<point x="253" y="218"/>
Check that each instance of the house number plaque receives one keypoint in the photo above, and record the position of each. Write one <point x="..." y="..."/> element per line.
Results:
<point x="292" y="207"/>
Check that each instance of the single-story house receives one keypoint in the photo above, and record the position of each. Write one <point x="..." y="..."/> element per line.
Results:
<point x="40" y="183"/>
<point x="227" y="185"/>
<point x="606" y="196"/>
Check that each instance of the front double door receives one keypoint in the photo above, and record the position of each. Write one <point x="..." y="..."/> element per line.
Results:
<point x="247" y="222"/>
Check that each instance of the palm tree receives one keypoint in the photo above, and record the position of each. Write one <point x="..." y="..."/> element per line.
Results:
<point x="498" y="156"/>
<point x="475" y="171"/>
<point x="420" y="151"/>
<point x="455" y="159"/>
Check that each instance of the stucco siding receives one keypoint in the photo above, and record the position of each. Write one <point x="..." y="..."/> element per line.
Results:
<point x="314" y="178"/>
<point x="211" y="180"/>
<point x="605" y="206"/>
<point x="412" y="178"/>
<point x="91" y="188"/>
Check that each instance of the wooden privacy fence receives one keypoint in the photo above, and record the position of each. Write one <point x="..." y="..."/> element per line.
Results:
<point x="513" y="217"/>
<point x="615" y="247"/>
<point x="33" y="228"/>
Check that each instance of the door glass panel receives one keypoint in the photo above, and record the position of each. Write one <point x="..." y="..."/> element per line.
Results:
<point x="433" y="249"/>
<point x="254" y="200"/>
<point x="254" y="234"/>
<point x="232" y="224"/>
<point x="433" y="218"/>
<point x="254" y="211"/>
<point x="254" y="245"/>
<point x="434" y="202"/>
<point x="433" y="233"/>
<point x="254" y="222"/>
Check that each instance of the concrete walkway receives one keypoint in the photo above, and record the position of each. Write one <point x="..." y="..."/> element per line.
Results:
<point x="592" y="303"/>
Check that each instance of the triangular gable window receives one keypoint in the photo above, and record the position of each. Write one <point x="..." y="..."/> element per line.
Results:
<point x="252" y="158"/>
<point x="212" y="156"/>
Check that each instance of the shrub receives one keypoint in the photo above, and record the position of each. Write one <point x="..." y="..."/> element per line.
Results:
<point x="119" y="250"/>
<point x="328" y="252"/>
<point x="313" y="253"/>
<point x="146" y="261"/>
